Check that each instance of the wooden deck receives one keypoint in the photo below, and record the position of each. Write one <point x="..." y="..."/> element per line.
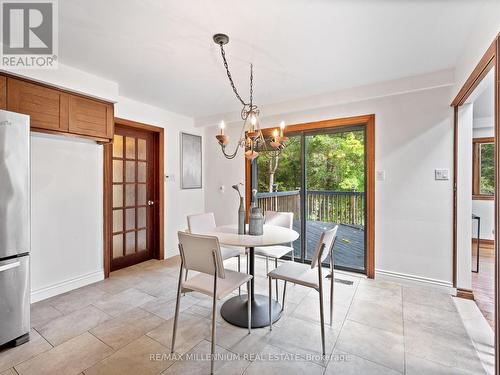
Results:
<point x="349" y="248"/>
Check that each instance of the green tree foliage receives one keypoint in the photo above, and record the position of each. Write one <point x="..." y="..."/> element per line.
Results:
<point x="333" y="162"/>
<point x="487" y="168"/>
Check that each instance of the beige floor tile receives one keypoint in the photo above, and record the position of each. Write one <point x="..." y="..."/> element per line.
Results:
<point x="300" y="337"/>
<point x="379" y="346"/>
<point x="70" y="358"/>
<point x="10" y="371"/>
<point x="274" y="361"/>
<point x="126" y="300"/>
<point x="77" y="299"/>
<point x="348" y="364"/>
<point x="74" y="324"/>
<point x="134" y="358"/>
<point x="446" y="349"/>
<point x="126" y="328"/>
<point x="166" y="309"/>
<point x="238" y="340"/>
<point x="197" y="361"/>
<point x="42" y="313"/>
<point x="309" y="310"/>
<point x="428" y="297"/>
<point x="190" y="331"/>
<point x="13" y="356"/>
<point x="377" y="314"/>
<point x="375" y="293"/>
<point x="163" y="286"/>
<point x="432" y="318"/>
<point x="419" y="366"/>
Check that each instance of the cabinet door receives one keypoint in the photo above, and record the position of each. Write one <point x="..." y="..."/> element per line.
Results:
<point x="3" y="92"/>
<point x="90" y="117"/>
<point x="40" y="103"/>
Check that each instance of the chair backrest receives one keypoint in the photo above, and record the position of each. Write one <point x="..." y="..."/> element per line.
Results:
<point x="197" y="252"/>
<point x="326" y="241"/>
<point x="280" y="219"/>
<point x="201" y="223"/>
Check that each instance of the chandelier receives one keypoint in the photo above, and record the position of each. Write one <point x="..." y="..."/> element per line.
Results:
<point x="251" y="137"/>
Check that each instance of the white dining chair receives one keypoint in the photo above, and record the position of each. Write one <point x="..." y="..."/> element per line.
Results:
<point x="205" y="223"/>
<point x="280" y="219"/>
<point x="203" y="255"/>
<point x="310" y="276"/>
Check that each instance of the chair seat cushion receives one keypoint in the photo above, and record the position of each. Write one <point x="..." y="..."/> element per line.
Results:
<point x="273" y="251"/>
<point x="204" y="283"/>
<point x="229" y="252"/>
<point x="297" y="273"/>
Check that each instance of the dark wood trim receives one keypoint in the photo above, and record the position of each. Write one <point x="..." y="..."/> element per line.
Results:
<point x="455" y="168"/>
<point x="160" y="191"/>
<point x="484" y="242"/>
<point x="479" y="72"/>
<point x="483" y="197"/>
<point x="497" y="205"/>
<point x="369" y="122"/>
<point x="465" y="293"/>
<point x="73" y="135"/>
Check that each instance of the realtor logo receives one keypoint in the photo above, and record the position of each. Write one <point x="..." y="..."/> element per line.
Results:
<point x="29" y="34"/>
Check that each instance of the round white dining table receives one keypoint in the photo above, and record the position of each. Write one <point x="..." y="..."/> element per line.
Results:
<point x="234" y="310"/>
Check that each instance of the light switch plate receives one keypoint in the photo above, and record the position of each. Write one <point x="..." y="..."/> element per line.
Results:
<point x="380" y="175"/>
<point x="441" y="174"/>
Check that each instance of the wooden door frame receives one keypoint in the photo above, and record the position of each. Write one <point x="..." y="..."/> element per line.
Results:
<point x="108" y="189"/>
<point x="490" y="60"/>
<point x="369" y="122"/>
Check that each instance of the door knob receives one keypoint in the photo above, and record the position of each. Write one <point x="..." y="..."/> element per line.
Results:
<point x="150" y="203"/>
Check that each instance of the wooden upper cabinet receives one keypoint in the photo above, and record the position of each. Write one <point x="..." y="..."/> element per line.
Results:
<point x="41" y="103"/>
<point x="90" y="117"/>
<point x="3" y="92"/>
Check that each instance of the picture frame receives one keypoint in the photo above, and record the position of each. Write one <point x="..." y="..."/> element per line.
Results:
<point x="191" y="161"/>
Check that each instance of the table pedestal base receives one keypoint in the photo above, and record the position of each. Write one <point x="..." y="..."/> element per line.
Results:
<point x="234" y="311"/>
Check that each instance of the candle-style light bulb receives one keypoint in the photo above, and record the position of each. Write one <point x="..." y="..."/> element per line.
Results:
<point x="282" y="128"/>
<point x="275" y="133"/>
<point x="222" y="126"/>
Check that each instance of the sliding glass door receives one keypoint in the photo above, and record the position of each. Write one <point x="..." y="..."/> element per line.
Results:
<point x="320" y="177"/>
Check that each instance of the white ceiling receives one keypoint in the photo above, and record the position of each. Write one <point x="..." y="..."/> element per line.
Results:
<point x="161" y="52"/>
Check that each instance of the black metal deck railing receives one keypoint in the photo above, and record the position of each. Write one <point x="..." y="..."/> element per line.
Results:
<point x="346" y="207"/>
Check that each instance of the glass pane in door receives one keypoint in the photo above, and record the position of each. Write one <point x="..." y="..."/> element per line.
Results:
<point x="278" y="181"/>
<point x="130" y="189"/>
<point x="335" y="194"/>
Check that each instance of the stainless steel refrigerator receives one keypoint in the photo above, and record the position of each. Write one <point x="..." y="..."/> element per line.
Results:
<point x="15" y="241"/>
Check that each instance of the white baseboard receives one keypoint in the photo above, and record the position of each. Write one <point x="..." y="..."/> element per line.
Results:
<point x="415" y="280"/>
<point x="66" y="286"/>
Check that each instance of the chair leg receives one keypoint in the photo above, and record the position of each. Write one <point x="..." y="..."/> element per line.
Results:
<point x="248" y="261"/>
<point x="321" y="315"/>
<point x="332" y="282"/>
<point x="270" y="303"/>
<point x="214" y="312"/>
<point x="267" y="265"/>
<point x="277" y="292"/>
<point x="284" y="292"/>
<point x="239" y="270"/>
<point x="176" y="316"/>
<point x="249" y="306"/>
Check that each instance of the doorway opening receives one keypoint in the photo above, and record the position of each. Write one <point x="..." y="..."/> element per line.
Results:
<point x="325" y="177"/>
<point x="133" y="195"/>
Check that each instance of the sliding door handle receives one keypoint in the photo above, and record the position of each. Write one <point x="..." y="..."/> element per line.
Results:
<point x="150" y="203"/>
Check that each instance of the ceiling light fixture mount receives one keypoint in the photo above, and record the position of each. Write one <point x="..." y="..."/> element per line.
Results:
<point x="251" y="137"/>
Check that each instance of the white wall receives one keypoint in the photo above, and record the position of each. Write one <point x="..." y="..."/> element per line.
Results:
<point x="67" y="221"/>
<point x="464" y="197"/>
<point x="67" y="189"/>
<point x="178" y="203"/>
<point x="413" y="212"/>
<point x="483" y="127"/>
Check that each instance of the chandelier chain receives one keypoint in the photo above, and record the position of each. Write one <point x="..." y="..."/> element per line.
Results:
<point x="223" y="53"/>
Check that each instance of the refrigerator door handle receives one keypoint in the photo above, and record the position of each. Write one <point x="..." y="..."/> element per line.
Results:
<point x="9" y="266"/>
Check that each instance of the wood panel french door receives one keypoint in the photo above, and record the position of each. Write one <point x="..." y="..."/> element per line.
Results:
<point x="134" y="197"/>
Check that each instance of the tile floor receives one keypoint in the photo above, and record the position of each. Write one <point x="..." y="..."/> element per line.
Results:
<point x="116" y="325"/>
